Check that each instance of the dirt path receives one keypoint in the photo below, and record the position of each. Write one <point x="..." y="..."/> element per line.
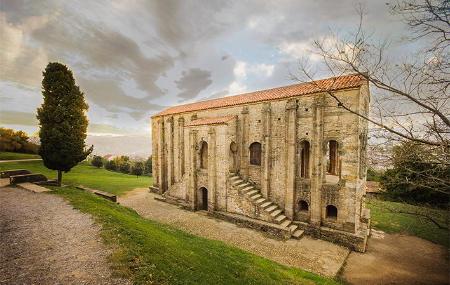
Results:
<point x="313" y="255"/>
<point x="43" y="240"/>
<point x="20" y="160"/>
<point x="398" y="259"/>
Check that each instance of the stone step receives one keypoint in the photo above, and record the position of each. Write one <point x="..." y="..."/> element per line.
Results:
<point x="244" y="185"/>
<point x="266" y="204"/>
<point x="233" y="178"/>
<point x="298" y="234"/>
<point x="293" y="228"/>
<point x="285" y="223"/>
<point x="252" y="192"/>
<point x="260" y="201"/>
<point x="247" y="189"/>
<point x="275" y="213"/>
<point x="280" y="218"/>
<point x="237" y="182"/>
<point x="271" y="208"/>
<point x="256" y="197"/>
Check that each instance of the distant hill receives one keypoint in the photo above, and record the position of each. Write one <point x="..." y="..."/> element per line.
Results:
<point x="130" y="145"/>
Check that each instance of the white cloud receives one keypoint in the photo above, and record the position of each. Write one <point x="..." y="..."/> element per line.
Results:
<point x="236" y="87"/>
<point x="266" y="69"/>
<point x="240" y="70"/>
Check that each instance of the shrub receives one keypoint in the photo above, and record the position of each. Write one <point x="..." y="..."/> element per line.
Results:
<point x="374" y="175"/>
<point x="97" y="161"/>
<point x="111" y="165"/>
<point x="137" y="168"/>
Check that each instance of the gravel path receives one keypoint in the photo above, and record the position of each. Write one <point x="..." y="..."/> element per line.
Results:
<point x="43" y="240"/>
<point x="313" y="255"/>
<point x="398" y="259"/>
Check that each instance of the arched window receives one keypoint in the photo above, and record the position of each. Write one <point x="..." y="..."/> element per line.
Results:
<point x="255" y="153"/>
<point x="303" y="206"/>
<point x="304" y="159"/>
<point x="204" y="155"/>
<point x="332" y="157"/>
<point x="331" y="212"/>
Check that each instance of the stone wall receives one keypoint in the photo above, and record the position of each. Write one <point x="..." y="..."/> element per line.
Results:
<point x="281" y="126"/>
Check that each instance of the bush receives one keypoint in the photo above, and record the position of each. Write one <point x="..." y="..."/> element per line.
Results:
<point x="111" y="165"/>
<point x="97" y="161"/>
<point x="374" y="175"/>
<point x="137" y="168"/>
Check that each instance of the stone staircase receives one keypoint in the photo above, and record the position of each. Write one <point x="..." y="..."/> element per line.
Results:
<point x="276" y="214"/>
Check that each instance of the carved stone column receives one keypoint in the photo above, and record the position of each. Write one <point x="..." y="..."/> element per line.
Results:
<point x="193" y="149"/>
<point x="265" y="183"/>
<point x="317" y="164"/>
<point x="212" y="175"/>
<point x="244" y="164"/>
<point x="291" y="143"/>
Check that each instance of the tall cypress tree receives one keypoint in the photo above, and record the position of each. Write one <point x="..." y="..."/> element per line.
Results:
<point x="62" y="119"/>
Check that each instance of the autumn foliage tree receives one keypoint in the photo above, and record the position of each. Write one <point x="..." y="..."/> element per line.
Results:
<point x="62" y="119"/>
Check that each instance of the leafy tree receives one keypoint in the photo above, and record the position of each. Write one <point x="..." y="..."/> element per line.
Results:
<point x="137" y="168"/>
<point x="416" y="177"/>
<point x="125" y="166"/>
<point x="97" y="161"/>
<point x="148" y="166"/>
<point x="62" y="119"/>
<point x="16" y="141"/>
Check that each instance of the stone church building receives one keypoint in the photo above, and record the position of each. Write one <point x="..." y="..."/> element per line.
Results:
<point x="288" y="161"/>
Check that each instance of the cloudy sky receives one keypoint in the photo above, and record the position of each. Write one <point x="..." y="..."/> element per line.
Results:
<point x="133" y="58"/>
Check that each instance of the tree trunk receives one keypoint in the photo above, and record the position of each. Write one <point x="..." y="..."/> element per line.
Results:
<point x="59" y="177"/>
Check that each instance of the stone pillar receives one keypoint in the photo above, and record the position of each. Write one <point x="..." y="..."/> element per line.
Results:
<point x="191" y="194"/>
<point x="317" y="164"/>
<point x="181" y="158"/>
<point x="212" y="170"/>
<point x="244" y="164"/>
<point x="161" y="157"/>
<point x="170" y="146"/>
<point x="291" y="139"/>
<point x="155" y="153"/>
<point x="265" y="182"/>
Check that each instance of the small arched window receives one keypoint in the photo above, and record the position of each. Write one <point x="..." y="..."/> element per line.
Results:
<point x="303" y="206"/>
<point x="332" y="157"/>
<point x="304" y="159"/>
<point x="204" y="155"/>
<point x="255" y="153"/>
<point x="331" y="212"/>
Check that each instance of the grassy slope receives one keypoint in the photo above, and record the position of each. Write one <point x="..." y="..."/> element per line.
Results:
<point x="14" y="155"/>
<point x="385" y="220"/>
<point x="86" y="175"/>
<point x="149" y="251"/>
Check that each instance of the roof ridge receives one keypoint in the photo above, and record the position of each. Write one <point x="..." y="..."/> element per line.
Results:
<point x="354" y="79"/>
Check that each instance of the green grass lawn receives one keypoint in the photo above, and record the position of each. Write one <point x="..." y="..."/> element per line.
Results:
<point x="384" y="219"/>
<point x="150" y="252"/>
<point x="4" y="155"/>
<point x="86" y="175"/>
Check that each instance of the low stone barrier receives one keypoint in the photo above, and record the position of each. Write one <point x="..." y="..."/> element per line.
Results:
<point x="36" y="177"/>
<point x="102" y="194"/>
<point x="8" y="173"/>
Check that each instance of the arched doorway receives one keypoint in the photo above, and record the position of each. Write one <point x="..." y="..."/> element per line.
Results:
<point x="202" y="199"/>
<point x="331" y="212"/>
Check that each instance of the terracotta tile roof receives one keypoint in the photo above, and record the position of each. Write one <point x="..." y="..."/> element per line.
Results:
<point x="331" y="84"/>
<point x="211" y="121"/>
